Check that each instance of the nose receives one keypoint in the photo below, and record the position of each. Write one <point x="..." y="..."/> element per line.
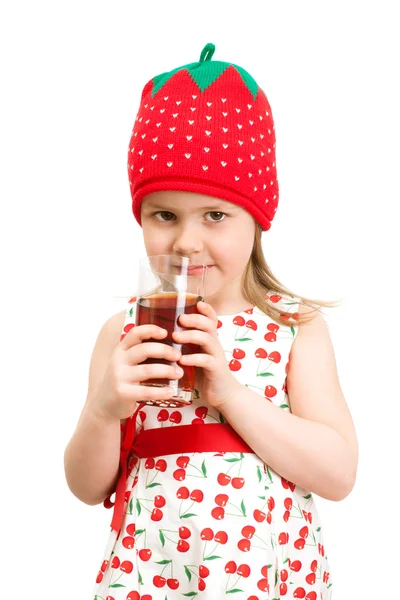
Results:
<point x="187" y="242"/>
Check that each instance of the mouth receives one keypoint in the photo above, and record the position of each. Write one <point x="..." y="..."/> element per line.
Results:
<point x="195" y="269"/>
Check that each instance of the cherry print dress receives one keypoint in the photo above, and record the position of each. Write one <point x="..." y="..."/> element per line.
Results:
<point x="212" y="525"/>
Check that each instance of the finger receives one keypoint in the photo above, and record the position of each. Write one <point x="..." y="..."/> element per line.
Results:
<point x="208" y="310"/>
<point x="194" y="336"/>
<point x="199" y="360"/>
<point x="156" y="371"/>
<point x="154" y="393"/>
<point x="194" y="321"/>
<point x="140" y="352"/>
<point x="142" y="332"/>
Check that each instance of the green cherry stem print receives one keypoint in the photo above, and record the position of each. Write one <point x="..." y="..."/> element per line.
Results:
<point x="158" y="503"/>
<point x="273" y="329"/>
<point x="181" y="544"/>
<point x="288" y="503"/>
<point x="159" y="581"/>
<point x="219" y="512"/>
<point x="144" y="553"/>
<point x="201" y="572"/>
<point x="231" y="568"/>
<point x="240" y="322"/>
<point x="202" y="471"/>
<point x="126" y="566"/>
<point x="274" y="357"/>
<point x="183" y="462"/>
<point x="150" y="484"/>
<point x="195" y="496"/>
<point x="159" y="466"/>
<point x="207" y="534"/>
<point x="224" y="479"/>
<point x="248" y="532"/>
<point x="266" y="472"/>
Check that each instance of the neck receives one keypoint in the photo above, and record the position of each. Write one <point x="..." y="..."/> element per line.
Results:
<point x="229" y="300"/>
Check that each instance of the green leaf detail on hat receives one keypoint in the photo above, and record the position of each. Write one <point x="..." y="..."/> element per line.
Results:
<point x="205" y="72"/>
<point x="251" y="84"/>
<point x="203" y="75"/>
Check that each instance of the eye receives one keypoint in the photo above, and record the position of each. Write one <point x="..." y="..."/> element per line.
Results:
<point x="217" y="213"/>
<point x="162" y="216"/>
<point x="163" y="212"/>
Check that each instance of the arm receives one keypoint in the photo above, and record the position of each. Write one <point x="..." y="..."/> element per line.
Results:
<point x="315" y="446"/>
<point x="91" y="458"/>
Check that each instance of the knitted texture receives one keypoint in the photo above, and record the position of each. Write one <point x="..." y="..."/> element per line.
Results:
<point x="205" y="127"/>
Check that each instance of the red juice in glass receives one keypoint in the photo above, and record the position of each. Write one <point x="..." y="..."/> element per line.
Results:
<point x="163" y="310"/>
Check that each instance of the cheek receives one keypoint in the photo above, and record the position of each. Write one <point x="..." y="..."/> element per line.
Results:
<point x="154" y="242"/>
<point x="234" y="254"/>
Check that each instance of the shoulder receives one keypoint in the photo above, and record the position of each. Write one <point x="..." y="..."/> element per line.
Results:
<point x="312" y="364"/>
<point x="115" y="324"/>
<point x="312" y="335"/>
<point x="315" y="318"/>
<point x="106" y="342"/>
<point x="110" y="332"/>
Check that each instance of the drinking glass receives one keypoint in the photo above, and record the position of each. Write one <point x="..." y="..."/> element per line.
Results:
<point x="169" y="286"/>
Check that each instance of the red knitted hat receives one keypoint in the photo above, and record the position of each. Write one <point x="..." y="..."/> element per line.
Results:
<point x="205" y="127"/>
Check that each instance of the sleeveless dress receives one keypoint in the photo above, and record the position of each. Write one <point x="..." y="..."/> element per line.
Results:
<point x="213" y="525"/>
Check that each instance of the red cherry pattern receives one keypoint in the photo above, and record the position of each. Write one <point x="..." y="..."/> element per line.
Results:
<point x="183" y="546"/>
<point x="243" y="570"/>
<point x="206" y="552"/>
<point x="201" y="413"/>
<point x="161" y="465"/>
<point x="239" y="321"/>
<point x="183" y="493"/>
<point x="184" y="533"/>
<point x="180" y="473"/>
<point x="221" y="537"/>
<point x="223" y="479"/>
<point x="237" y="482"/>
<point x="145" y="554"/>
<point x="163" y="415"/>
<point x="204" y="571"/>
<point x="238" y="353"/>
<point x="261" y="353"/>
<point x="207" y="534"/>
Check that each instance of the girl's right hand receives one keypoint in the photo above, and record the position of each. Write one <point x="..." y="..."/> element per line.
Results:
<point x="120" y="389"/>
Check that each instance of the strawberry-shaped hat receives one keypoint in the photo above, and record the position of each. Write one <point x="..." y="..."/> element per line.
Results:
<point x="205" y="127"/>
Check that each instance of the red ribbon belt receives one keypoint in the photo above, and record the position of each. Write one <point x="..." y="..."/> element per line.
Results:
<point x="213" y="437"/>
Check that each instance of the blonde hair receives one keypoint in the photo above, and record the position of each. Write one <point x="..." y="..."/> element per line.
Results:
<point x="259" y="283"/>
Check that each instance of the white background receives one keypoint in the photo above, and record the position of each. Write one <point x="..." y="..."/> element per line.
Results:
<point x="71" y="76"/>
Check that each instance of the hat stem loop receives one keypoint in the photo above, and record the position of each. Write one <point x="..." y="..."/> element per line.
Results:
<point x="207" y="52"/>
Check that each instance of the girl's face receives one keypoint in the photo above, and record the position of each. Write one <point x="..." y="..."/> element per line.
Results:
<point x="206" y="229"/>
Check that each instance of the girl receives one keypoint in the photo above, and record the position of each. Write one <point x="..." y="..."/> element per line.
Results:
<point x="215" y="498"/>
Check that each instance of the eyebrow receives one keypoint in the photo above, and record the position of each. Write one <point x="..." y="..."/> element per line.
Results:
<point x="215" y="207"/>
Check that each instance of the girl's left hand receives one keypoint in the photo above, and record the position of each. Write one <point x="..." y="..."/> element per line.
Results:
<point x="218" y="382"/>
